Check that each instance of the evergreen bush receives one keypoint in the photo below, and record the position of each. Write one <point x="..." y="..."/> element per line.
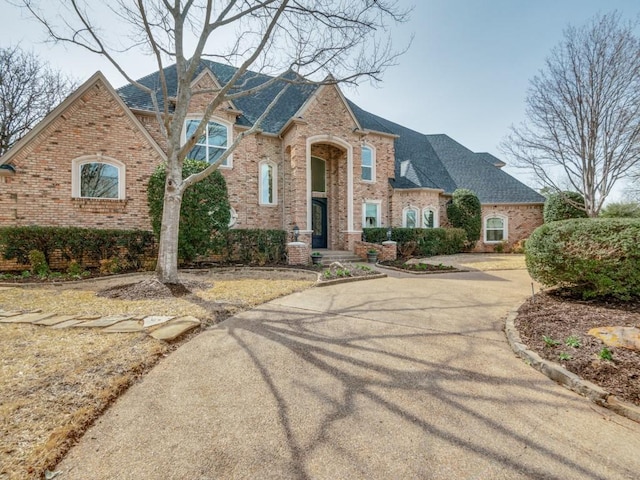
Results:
<point x="596" y="257"/>
<point x="205" y="209"/>
<point x="561" y="206"/>
<point x="427" y="242"/>
<point x="464" y="211"/>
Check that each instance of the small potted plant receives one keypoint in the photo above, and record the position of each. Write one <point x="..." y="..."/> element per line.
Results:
<point x="316" y="258"/>
<point x="372" y="255"/>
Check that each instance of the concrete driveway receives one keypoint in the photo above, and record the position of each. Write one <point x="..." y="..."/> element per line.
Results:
<point x="397" y="378"/>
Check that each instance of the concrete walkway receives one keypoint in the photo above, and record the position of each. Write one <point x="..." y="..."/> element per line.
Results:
<point x="390" y="378"/>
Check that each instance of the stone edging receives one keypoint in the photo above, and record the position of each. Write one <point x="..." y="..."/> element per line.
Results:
<point x="413" y="272"/>
<point x="336" y="281"/>
<point x="564" y="377"/>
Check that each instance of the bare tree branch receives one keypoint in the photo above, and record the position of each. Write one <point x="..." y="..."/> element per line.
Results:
<point x="583" y="112"/>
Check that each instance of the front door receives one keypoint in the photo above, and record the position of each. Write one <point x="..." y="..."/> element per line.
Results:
<point x="319" y="223"/>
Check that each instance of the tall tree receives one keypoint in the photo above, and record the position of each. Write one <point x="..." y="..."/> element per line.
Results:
<point x="294" y="41"/>
<point x="582" y="131"/>
<point x="29" y="89"/>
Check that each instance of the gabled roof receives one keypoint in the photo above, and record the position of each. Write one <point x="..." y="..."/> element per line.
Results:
<point x="250" y="106"/>
<point x="421" y="161"/>
<point x="97" y="77"/>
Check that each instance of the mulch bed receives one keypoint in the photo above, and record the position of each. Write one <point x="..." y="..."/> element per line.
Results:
<point x="152" y="288"/>
<point x="559" y="314"/>
<point x="401" y="264"/>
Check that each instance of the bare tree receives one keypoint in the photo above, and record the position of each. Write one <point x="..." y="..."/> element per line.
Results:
<point x="29" y="89"/>
<point x="582" y="130"/>
<point x="294" y="41"/>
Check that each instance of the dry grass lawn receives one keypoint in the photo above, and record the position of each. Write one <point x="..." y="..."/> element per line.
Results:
<point x="55" y="383"/>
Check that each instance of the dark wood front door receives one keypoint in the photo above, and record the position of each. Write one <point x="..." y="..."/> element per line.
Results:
<point x="319" y="223"/>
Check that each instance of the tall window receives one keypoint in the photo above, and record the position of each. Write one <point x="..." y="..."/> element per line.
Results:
<point x="98" y="177"/>
<point x="429" y="218"/>
<point x="267" y="188"/>
<point x="211" y="145"/>
<point x="318" y="175"/>
<point x="410" y="217"/>
<point x="371" y="214"/>
<point x="495" y="229"/>
<point x="368" y="164"/>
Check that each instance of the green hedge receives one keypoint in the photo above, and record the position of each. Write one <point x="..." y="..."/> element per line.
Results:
<point x="77" y="244"/>
<point x="427" y="241"/>
<point x="251" y="246"/>
<point x="597" y="257"/>
<point x="560" y="206"/>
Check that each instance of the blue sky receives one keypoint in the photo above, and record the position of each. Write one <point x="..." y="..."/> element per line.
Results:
<point x="465" y="75"/>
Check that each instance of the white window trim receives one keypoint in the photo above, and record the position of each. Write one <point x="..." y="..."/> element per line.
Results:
<point x="221" y="121"/>
<point x="77" y="163"/>
<point x="325" y="175"/>
<point x="233" y="217"/>
<point x="378" y="214"/>
<point x="275" y="183"/>
<point x="373" y="163"/>
<point x="436" y="218"/>
<point x="505" y="227"/>
<point x="405" y="210"/>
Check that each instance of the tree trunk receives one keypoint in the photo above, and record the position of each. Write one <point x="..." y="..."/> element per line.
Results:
<point x="167" y="267"/>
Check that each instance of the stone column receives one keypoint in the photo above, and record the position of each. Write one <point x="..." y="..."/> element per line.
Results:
<point x="389" y="250"/>
<point x="298" y="253"/>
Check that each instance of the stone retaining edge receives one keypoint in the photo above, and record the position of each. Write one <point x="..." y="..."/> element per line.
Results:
<point x="336" y="281"/>
<point x="564" y="377"/>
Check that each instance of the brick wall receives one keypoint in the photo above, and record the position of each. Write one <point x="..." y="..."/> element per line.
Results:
<point x="522" y="221"/>
<point x="40" y="191"/>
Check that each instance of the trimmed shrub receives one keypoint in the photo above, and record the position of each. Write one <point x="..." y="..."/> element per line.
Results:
<point x="464" y="211"/>
<point x="38" y="262"/>
<point x="597" y="257"/>
<point x="421" y="241"/>
<point x="205" y="209"/>
<point x="79" y="244"/>
<point x="559" y="206"/>
<point x="250" y="246"/>
<point x="621" y="210"/>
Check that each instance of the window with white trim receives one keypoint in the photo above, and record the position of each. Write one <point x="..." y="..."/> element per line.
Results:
<point x="212" y="144"/>
<point x="268" y="183"/>
<point x="429" y="217"/>
<point x="371" y="214"/>
<point x="98" y="177"/>
<point x="368" y="164"/>
<point x="495" y="229"/>
<point x="233" y="217"/>
<point x="410" y="217"/>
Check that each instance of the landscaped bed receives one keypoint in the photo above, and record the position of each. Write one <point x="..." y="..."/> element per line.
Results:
<point x="555" y="325"/>
<point x="417" y="267"/>
<point x="55" y="383"/>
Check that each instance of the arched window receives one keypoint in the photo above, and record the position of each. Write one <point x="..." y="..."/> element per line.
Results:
<point x="268" y="188"/>
<point x="212" y="144"/>
<point x="410" y="217"/>
<point x="495" y="228"/>
<point x="368" y="164"/>
<point x="97" y="176"/>
<point x="430" y="218"/>
<point x="233" y="217"/>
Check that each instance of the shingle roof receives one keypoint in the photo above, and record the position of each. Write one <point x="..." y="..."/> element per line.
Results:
<point x="422" y="161"/>
<point x="251" y="106"/>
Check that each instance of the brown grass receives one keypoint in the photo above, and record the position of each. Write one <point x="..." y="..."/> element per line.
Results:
<point x="55" y="383"/>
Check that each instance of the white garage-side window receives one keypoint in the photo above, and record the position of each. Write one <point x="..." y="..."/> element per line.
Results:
<point x="410" y="217"/>
<point x="495" y="228"/>
<point x="97" y="176"/>
<point x="268" y="183"/>
<point x="430" y="218"/>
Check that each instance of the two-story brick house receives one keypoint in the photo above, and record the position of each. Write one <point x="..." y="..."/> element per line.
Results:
<point x="321" y="163"/>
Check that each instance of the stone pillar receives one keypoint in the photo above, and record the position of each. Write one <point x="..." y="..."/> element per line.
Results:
<point x="298" y="253"/>
<point x="389" y="250"/>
